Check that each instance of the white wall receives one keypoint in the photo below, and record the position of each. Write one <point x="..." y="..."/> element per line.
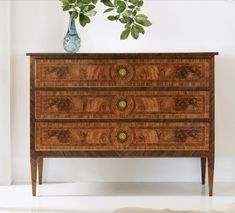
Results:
<point x="178" y="26"/>
<point x="5" y="152"/>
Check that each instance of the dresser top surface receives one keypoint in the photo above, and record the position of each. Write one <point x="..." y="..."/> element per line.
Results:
<point x="124" y="55"/>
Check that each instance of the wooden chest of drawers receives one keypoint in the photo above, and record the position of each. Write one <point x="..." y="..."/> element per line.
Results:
<point x="122" y="105"/>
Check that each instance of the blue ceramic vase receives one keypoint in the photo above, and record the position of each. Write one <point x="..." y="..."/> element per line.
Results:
<point x="72" y="41"/>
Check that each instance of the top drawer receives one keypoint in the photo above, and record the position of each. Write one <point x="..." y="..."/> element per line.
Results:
<point x="122" y="73"/>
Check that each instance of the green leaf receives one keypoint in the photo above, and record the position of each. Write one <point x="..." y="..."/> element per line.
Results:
<point x="128" y="19"/>
<point x="141" y="16"/>
<point x="91" y="13"/>
<point x="111" y="18"/>
<point x="143" y="20"/>
<point x="90" y="7"/>
<point x="131" y="7"/>
<point x="140" y="4"/>
<point x="135" y="2"/>
<point x="84" y="8"/>
<point x="135" y="32"/>
<point x="117" y="17"/>
<point x="115" y="3"/>
<point x="120" y="9"/>
<point x="72" y="1"/>
<point x="81" y="5"/>
<point x="140" y="28"/>
<point x="122" y="20"/>
<point x="86" y="1"/>
<point x="66" y="7"/>
<point x="94" y="1"/>
<point x="108" y="10"/>
<point x="107" y="3"/>
<point x="134" y="12"/>
<point x="83" y="19"/>
<point x="74" y="14"/>
<point x="125" y="33"/>
<point x="121" y="3"/>
<point x="127" y="13"/>
<point x="127" y="25"/>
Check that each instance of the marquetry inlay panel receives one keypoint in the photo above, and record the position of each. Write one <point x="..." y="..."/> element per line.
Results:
<point x="139" y="72"/>
<point x="116" y="104"/>
<point x="122" y="136"/>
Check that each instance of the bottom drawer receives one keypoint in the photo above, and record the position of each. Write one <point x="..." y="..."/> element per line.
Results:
<point x="122" y="136"/>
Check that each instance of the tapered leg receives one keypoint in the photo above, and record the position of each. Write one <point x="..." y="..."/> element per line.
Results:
<point x="203" y="169"/>
<point x="33" y="161"/>
<point x="40" y="169"/>
<point x="211" y="174"/>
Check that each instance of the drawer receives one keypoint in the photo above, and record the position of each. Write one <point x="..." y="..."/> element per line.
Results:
<point x="122" y="104"/>
<point x="122" y="136"/>
<point x="122" y="73"/>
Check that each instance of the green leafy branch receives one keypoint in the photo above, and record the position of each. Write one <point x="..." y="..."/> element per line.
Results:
<point x="82" y="9"/>
<point x="125" y="12"/>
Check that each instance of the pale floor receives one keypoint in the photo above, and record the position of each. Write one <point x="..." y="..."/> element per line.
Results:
<point x="105" y="197"/>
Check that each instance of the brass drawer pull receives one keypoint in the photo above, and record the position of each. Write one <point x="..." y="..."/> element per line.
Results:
<point x="122" y="72"/>
<point x="122" y="104"/>
<point x="122" y="136"/>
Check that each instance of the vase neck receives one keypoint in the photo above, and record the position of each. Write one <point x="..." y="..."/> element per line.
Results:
<point x="72" y="26"/>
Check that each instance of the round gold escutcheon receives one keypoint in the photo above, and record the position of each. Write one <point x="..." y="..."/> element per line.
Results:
<point x="122" y="104"/>
<point x="122" y="136"/>
<point x="122" y="72"/>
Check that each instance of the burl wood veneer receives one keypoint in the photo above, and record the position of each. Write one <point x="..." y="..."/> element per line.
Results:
<point x="122" y="105"/>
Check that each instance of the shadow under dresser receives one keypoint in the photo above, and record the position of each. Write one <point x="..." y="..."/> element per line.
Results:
<point x="122" y="106"/>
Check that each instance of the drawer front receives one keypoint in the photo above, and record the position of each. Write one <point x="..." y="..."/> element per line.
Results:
<point x="122" y="105"/>
<point x="122" y="73"/>
<point x="122" y="136"/>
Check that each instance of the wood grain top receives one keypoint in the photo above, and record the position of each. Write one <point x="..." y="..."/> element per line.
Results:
<point x="124" y="55"/>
